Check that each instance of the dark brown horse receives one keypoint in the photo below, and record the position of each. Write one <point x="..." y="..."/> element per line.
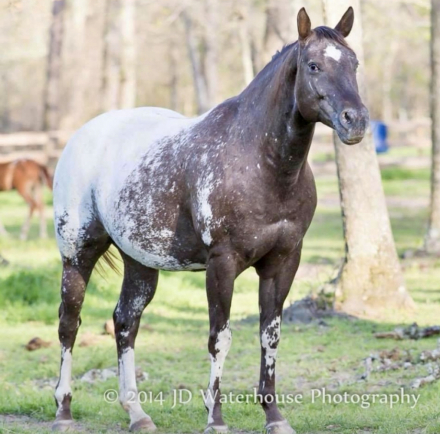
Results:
<point x="223" y="192"/>
<point x="27" y="177"/>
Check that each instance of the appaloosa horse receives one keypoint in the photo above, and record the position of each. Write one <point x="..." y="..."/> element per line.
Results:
<point x="222" y="192"/>
<point x="28" y="178"/>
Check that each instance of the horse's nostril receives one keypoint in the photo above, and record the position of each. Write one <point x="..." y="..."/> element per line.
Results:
<point x="347" y="118"/>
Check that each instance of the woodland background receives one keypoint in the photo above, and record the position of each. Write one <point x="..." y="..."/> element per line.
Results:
<point x="189" y="55"/>
<point x="63" y="62"/>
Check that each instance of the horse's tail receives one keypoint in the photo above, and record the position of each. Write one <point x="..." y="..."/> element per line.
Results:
<point x="46" y="176"/>
<point x="111" y="259"/>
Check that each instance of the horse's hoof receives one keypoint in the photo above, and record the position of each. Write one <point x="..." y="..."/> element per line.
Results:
<point x="144" y="424"/>
<point x="281" y="427"/>
<point x="216" y="429"/>
<point x="63" y="425"/>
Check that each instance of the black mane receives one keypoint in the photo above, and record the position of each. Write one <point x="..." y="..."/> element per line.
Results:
<point x="324" y="32"/>
<point x="321" y="32"/>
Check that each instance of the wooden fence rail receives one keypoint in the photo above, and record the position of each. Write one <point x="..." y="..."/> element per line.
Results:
<point x="44" y="147"/>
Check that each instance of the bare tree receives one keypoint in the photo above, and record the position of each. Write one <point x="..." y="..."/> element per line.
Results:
<point x="112" y="56"/>
<point x="276" y="29"/>
<point x="432" y="239"/>
<point x="53" y="73"/>
<point x="128" y="61"/>
<point x="200" y="85"/>
<point x="210" y="36"/>
<point x="174" y="77"/>
<point x="246" y="47"/>
<point x="119" y="75"/>
<point x="370" y="278"/>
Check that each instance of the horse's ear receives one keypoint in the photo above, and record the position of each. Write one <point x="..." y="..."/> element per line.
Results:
<point x="304" y="25"/>
<point x="346" y="24"/>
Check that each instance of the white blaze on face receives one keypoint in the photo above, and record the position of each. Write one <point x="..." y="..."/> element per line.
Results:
<point x="63" y="387"/>
<point x="269" y="337"/>
<point x="222" y="346"/>
<point x="128" y="394"/>
<point x="333" y="52"/>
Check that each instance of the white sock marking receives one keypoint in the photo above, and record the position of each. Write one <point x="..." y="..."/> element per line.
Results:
<point x="268" y="340"/>
<point x="222" y="345"/>
<point x="63" y="387"/>
<point x="128" y="393"/>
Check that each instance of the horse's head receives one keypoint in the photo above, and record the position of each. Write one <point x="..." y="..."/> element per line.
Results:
<point x="326" y="89"/>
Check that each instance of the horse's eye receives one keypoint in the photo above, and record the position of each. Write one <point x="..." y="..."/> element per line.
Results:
<point x="313" y="67"/>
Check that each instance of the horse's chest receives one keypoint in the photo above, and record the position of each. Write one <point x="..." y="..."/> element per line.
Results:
<point x="262" y="226"/>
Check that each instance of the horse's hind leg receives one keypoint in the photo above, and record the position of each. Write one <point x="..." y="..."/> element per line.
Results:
<point x="40" y="206"/>
<point x="138" y="289"/>
<point x="76" y="274"/>
<point x="26" y="192"/>
<point x="27" y="223"/>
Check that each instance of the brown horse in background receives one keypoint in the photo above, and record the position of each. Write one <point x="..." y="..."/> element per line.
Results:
<point x="28" y="178"/>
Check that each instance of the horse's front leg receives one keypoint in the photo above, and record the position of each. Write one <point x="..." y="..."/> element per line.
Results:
<point x="275" y="283"/>
<point x="220" y="276"/>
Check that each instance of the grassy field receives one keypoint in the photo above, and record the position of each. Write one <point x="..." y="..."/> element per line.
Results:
<point x="171" y="345"/>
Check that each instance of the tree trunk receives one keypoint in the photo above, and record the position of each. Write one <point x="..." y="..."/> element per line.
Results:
<point x="75" y="80"/>
<point x="119" y="76"/>
<point x="275" y="31"/>
<point x="371" y="278"/>
<point x="174" y="80"/>
<point x="246" y="47"/>
<point x="387" y="81"/>
<point x="432" y="239"/>
<point x="128" y="61"/>
<point x="112" y="56"/>
<point x="53" y="75"/>
<point x="200" y="85"/>
<point x="211" y="51"/>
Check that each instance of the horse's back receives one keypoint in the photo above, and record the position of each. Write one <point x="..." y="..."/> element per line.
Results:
<point x="97" y="161"/>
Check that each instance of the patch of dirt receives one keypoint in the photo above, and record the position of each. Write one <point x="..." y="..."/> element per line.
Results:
<point x="10" y="423"/>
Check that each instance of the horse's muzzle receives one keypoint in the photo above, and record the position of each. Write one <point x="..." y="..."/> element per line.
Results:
<point x="352" y="125"/>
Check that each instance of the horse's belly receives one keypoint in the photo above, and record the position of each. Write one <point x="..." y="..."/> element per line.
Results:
<point x="160" y="250"/>
<point x="156" y="231"/>
<point x="161" y="259"/>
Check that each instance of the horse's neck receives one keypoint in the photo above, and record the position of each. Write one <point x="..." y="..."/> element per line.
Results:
<point x="283" y="136"/>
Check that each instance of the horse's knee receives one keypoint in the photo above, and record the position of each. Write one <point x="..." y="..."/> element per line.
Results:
<point x="126" y="323"/>
<point x="220" y="340"/>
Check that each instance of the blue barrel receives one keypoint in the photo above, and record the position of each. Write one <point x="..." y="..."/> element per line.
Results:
<point x="380" y="133"/>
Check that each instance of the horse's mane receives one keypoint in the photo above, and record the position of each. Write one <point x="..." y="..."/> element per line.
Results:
<point x="321" y="32"/>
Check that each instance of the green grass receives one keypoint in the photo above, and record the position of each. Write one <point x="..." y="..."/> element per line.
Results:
<point x="172" y="348"/>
